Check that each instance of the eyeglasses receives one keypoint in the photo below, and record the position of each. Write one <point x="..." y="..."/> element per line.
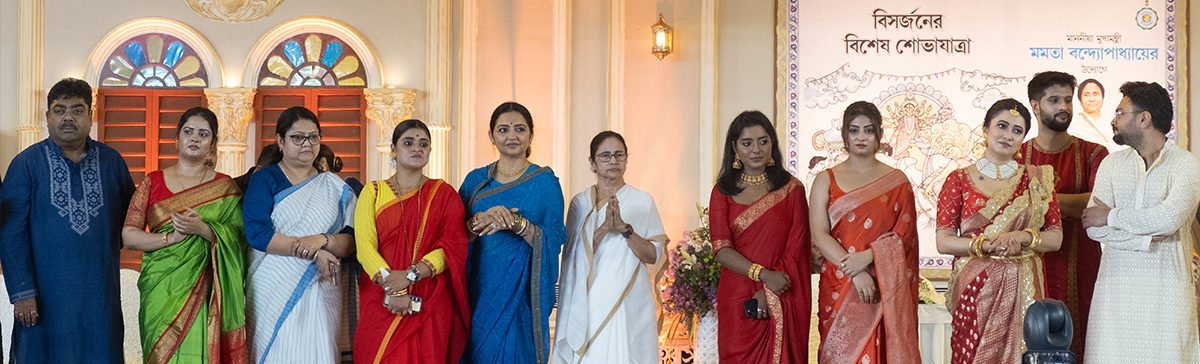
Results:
<point x="299" y="139"/>
<point x="60" y="112"/>
<point x="605" y="157"/>
<point x="1119" y="112"/>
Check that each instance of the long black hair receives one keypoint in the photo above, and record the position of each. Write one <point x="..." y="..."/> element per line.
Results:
<point x="728" y="178"/>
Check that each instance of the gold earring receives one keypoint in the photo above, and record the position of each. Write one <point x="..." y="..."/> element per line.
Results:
<point x="771" y="161"/>
<point x="1018" y="154"/>
<point x="737" y="162"/>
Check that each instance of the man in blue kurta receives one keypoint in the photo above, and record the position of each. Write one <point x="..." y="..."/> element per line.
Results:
<point x="62" y="206"/>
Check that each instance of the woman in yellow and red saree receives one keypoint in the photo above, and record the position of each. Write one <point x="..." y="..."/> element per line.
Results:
<point x="863" y="220"/>
<point x="411" y="226"/>
<point x="759" y="229"/>
<point x="192" y="303"/>
<point x="996" y="217"/>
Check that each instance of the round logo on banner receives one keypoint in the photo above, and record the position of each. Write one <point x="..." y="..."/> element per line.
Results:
<point x="1147" y="18"/>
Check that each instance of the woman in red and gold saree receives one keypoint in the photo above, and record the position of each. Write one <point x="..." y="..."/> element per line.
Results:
<point x="759" y="230"/>
<point x="192" y="293"/>
<point x="411" y="226"/>
<point x="863" y="220"/>
<point x="996" y="217"/>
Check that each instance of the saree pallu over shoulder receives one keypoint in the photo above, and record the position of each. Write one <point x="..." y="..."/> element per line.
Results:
<point x="879" y="216"/>
<point x="406" y="229"/>
<point x="989" y="295"/>
<point x="193" y="303"/>
<point x="773" y="232"/>
<point x="296" y="317"/>
<point x="504" y="270"/>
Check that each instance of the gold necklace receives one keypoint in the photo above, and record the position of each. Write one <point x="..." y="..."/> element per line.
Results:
<point x="179" y="177"/>
<point x="754" y="180"/>
<point x="515" y="173"/>
<point x="405" y="190"/>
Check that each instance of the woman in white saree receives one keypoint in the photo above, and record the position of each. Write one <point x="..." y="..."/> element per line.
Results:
<point x="298" y="221"/>
<point x="607" y="312"/>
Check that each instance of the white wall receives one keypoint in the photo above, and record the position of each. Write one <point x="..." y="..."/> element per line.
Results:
<point x="8" y="83"/>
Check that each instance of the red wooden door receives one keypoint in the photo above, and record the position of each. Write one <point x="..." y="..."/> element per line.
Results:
<point x="341" y="111"/>
<point x="140" y="124"/>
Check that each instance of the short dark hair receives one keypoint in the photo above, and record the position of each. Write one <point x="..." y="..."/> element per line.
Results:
<point x="1151" y="97"/>
<point x="293" y="114"/>
<point x="68" y="88"/>
<point x="203" y="113"/>
<point x="1044" y="80"/>
<point x="331" y="160"/>
<point x="510" y="107"/>
<point x="1090" y="81"/>
<point x="862" y="108"/>
<point x="269" y="155"/>
<point x="600" y="138"/>
<point x="403" y="126"/>
<point x="1004" y="106"/>
<point x="728" y="178"/>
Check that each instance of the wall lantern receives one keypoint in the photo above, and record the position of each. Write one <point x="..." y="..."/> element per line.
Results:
<point x="662" y="38"/>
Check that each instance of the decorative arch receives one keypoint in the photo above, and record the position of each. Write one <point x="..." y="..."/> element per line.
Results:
<point x="283" y="34"/>
<point x="141" y="32"/>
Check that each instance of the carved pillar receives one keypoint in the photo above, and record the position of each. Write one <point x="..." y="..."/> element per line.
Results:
<point x="439" y="60"/>
<point x="29" y="76"/>
<point x="234" y="107"/>
<point x="388" y="107"/>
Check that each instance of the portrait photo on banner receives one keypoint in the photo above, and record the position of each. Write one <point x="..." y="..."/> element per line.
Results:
<point x="934" y="67"/>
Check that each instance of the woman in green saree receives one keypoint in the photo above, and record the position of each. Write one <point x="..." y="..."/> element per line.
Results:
<point x="193" y="303"/>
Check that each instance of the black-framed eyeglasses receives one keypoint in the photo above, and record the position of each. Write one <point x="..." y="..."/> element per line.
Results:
<point x="606" y="156"/>
<point x="299" y="139"/>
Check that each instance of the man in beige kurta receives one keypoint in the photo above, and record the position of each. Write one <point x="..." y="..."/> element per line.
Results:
<point x="1144" y="306"/>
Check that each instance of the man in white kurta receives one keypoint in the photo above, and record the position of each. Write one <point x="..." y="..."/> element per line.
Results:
<point x="1144" y="307"/>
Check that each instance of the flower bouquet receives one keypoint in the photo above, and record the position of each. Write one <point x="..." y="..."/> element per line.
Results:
<point x="689" y="295"/>
<point x="692" y="273"/>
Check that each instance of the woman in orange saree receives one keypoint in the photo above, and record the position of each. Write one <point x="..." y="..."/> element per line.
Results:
<point x="996" y="217"/>
<point x="192" y="293"/>
<point x="759" y="229"/>
<point x="411" y="227"/>
<point x="863" y="220"/>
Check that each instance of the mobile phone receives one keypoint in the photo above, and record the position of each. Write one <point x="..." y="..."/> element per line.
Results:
<point x="751" y="307"/>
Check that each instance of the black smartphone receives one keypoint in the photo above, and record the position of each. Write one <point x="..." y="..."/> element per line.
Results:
<point x="751" y="307"/>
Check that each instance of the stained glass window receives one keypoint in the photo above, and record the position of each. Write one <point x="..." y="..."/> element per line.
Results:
<point x="154" y="60"/>
<point x="312" y="60"/>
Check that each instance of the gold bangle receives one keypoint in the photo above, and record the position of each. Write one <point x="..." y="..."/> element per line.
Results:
<point x="165" y="242"/>
<point x="399" y="293"/>
<point x="975" y="248"/>
<point x="1036" y="241"/>
<point x="754" y="272"/>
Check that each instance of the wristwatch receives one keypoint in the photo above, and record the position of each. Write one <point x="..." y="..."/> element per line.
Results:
<point x="628" y="231"/>
<point x="413" y="274"/>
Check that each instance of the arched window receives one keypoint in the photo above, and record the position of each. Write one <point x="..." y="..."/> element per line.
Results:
<point x="312" y="60"/>
<point x="154" y="60"/>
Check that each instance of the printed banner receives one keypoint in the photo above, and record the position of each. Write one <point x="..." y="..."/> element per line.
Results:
<point x="934" y="67"/>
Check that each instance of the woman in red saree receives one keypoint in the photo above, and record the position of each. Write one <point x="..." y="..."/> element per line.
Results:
<point x="192" y="293"/>
<point x="411" y="227"/>
<point x="996" y="217"/>
<point x="863" y="220"/>
<point x="759" y="229"/>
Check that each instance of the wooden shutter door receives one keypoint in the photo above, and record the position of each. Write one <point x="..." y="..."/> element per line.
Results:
<point x="342" y="112"/>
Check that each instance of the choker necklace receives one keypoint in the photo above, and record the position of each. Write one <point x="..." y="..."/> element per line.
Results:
<point x="515" y="173"/>
<point x="754" y="180"/>
<point x="1002" y="171"/>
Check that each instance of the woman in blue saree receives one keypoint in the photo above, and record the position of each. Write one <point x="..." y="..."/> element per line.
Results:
<point x="297" y="220"/>
<point x="516" y="224"/>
